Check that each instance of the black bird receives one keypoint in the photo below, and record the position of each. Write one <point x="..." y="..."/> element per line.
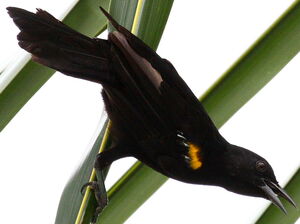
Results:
<point x="154" y="115"/>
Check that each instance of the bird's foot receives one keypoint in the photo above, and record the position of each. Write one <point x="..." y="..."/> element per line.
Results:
<point x="99" y="190"/>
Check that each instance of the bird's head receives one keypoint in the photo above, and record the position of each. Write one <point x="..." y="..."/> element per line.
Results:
<point x="249" y="174"/>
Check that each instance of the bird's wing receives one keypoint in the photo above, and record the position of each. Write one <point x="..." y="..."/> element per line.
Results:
<point x="162" y="87"/>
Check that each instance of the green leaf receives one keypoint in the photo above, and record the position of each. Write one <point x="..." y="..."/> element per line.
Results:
<point x="277" y="46"/>
<point x="256" y="67"/>
<point x="22" y="82"/>
<point x="274" y="215"/>
<point x="152" y="21"/>
<point x="123" y="12"/>
<point x="71" y="198"/>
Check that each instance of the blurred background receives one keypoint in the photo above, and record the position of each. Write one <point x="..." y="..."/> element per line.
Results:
<point x="44" y="143"/>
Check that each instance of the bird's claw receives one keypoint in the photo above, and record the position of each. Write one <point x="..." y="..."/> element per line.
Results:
<point x="92" y="184"/>
<point x="98" y="210"/>
<point x="100" y="195"/>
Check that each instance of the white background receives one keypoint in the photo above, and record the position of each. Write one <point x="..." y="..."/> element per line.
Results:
<point x="42" y="146"/>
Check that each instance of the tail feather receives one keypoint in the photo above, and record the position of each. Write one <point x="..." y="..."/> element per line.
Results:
<point x="56" y="45"/>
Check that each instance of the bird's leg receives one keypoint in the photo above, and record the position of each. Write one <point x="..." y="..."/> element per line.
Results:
<point x="103" y="160"/>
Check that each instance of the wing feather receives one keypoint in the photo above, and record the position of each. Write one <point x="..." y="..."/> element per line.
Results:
<point x="168" y="94"/>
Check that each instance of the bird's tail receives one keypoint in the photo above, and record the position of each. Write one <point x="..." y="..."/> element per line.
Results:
<point x="56" y="45"/>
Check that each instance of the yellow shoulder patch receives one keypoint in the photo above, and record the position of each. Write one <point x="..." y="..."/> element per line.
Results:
<point x="194" y="154"/>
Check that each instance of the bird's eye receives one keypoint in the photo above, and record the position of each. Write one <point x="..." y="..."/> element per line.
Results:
<point x="261" y="166"/>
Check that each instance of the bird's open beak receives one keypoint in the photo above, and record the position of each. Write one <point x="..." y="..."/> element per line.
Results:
<point x="272" y="192"/>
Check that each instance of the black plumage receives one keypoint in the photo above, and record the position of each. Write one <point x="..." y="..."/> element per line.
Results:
<point x="154" y="115"/>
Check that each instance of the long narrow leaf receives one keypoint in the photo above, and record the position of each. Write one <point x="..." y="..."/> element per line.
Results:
<point x="123" y="12"/>
<point x="256" y="67"/>
<point x="18" y="85"/>
<point x="71" y="198"/>
<point x="155" y="16"/>
<point x="239" y="84"/>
